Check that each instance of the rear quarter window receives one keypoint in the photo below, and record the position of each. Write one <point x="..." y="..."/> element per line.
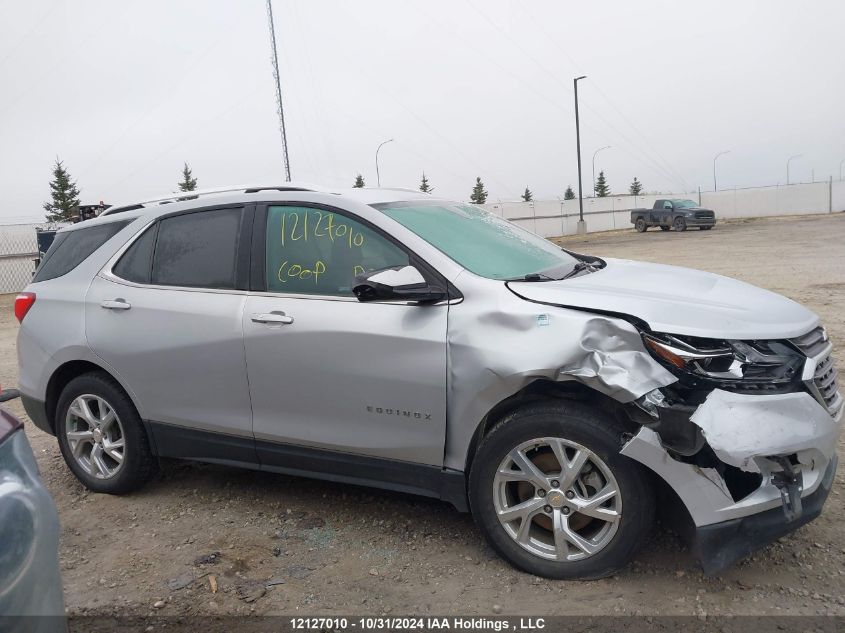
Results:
<point x="71" y="248"/>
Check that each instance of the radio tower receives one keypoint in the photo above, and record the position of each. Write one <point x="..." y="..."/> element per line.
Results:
<point x="279" y="108"/>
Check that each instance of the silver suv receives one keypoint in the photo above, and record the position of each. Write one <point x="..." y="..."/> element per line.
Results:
<point x="388" y="338"/>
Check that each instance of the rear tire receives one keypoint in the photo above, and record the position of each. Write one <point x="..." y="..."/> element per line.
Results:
<point x="557" y="535"/>
<point x="101" y="435"/>
<point x="640" y="225"/>
<point x="680" y="224"/>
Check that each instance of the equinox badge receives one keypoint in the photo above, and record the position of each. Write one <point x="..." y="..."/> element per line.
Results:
<point x="417" y="415"/>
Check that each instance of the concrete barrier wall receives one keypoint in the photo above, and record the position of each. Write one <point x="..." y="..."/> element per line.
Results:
<point x="551" y="218"/>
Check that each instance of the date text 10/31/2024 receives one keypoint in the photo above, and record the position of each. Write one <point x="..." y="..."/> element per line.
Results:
<point x="295" y="227"/>
<point x="422" y="624"/>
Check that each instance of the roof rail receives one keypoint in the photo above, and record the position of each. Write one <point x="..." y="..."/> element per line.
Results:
<point x="192" y="195"/>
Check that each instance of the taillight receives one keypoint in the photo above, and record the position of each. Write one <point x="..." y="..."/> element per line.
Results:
<point x="23" y="302"/>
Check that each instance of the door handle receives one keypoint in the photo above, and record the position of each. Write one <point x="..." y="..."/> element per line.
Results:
<point x="116" y="304"/>
<point x="273" y="317"/>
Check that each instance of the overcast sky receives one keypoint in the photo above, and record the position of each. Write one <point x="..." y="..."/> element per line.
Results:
<point x="125" y="92"/>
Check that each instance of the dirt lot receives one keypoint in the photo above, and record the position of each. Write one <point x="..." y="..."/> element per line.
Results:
<point x="348" y="550"/>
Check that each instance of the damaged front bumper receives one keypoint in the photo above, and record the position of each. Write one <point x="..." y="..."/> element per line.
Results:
<point x="788" y="441"/>
<point x="720" y="545"/>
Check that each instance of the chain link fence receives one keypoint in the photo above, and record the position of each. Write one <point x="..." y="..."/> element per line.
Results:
<point x="18" y="252"/>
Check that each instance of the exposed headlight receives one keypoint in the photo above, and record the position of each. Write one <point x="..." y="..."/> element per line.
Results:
<point x="727" y="362"/>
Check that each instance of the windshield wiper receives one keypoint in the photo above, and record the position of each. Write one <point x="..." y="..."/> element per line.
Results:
<point x="533" y="277"/>
<point x="579" y="267"/>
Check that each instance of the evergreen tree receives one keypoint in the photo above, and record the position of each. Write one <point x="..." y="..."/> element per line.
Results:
<point x="188" y="183"/>
<point x="65" y="196"/>
<point x="424" y="186"/>
<point x="359" y="182"/>
<point x="569" y="195"/>
<point x="527" y="196"/>
<point x="479" y="193"/>
<point x="602" y="190"/>
<point x="636" y="187"/>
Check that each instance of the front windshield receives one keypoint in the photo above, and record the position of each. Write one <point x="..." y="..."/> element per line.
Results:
<point x="684" y="204"/>
<point x="480" y="241"/>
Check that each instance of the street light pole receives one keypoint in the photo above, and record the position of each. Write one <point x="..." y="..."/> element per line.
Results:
<point x="378" y="177"/>
<point x="582" y="226"/>
<point x="787" y="165"/>
<point x="840" y="168"/>
<point x="594" y="165"/>
<point x="727" y="151"/>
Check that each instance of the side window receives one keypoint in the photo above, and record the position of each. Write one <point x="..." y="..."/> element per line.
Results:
<point x="71" y="248"/>
<point x="312" y="251"/>
<point x="197" y="249"/>
<point x="667" y="205"/>
<point x="136" y="262"/>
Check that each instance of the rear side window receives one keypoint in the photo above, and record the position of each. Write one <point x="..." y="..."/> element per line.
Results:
<point x="136" y="263"/>
<point x="71" y="248"/>
<point x="197" y="249"/>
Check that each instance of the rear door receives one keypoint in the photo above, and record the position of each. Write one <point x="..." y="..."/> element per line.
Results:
<point x="166" y="314"/>
<point x="329" y="372"/>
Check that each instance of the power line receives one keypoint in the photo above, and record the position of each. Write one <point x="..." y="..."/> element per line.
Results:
<point x="555" y="78"/>
<point x="455" y="148"/>
<point x="66" y="56"/>
<point x="26" y="35"/>
<point x="529" y="86"/>
<point x="241" y="97"/>
<point x="170" y="92"/>
<point x="578" y="67"/>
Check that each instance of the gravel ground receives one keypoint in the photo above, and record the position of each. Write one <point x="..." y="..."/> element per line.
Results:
<point x="330" y="549"/>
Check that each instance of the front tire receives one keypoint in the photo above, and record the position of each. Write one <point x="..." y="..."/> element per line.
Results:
<point x="101" y="435"/>
<point x="680" y="224"/>
<point x="554" y="497"/>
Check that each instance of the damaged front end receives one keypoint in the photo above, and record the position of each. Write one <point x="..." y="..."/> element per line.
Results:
<point x="745" y="436"/>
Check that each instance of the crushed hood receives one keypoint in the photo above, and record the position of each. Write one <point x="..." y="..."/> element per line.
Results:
<point x="677" y="300"/>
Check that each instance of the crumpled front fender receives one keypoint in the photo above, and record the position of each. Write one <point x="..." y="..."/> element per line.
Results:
<point x="496" y="348"/>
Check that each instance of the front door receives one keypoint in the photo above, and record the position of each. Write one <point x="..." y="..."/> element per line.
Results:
<point x="326" y="371"/>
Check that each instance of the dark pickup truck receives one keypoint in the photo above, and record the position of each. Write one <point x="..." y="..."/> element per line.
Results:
<point x="673" y="213"/>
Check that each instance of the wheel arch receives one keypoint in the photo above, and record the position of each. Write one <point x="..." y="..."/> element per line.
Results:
<point x="542" y="390"/>
<point x="66" y="372"/>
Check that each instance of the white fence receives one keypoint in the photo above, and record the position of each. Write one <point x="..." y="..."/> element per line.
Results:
<point x="551" y="218"/>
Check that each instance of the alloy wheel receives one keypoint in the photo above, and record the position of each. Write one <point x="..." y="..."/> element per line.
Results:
<point x="557" y="499"/>
<point x="95" y="436"/>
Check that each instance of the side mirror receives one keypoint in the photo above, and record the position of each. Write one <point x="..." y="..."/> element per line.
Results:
<point x="399" y="283"/>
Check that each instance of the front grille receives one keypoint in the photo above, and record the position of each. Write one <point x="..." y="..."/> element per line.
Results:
<point x="816" y="346"/>
<point x="813" y="342"/>
<point x="825" y="381"/>
<point x="703" y="215"/>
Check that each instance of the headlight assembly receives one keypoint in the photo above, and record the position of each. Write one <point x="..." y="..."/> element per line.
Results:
<point x="739" y="363"/>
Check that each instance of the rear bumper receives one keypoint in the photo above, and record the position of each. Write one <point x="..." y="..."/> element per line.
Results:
<point x="720" y="545"/>
<point x="37" y="412"/>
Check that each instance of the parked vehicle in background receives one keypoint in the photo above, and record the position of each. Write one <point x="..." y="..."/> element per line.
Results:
<point x="678" y="214"/>
<point x="30" y="582"/>
<point x="389" y="338"/>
